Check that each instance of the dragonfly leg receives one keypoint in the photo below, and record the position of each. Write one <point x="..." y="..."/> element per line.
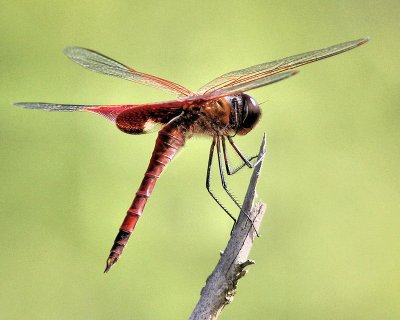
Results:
<point x="247" y="162"/>
<point x="221" y="172"/>
<point x="228" y="168"/>
<point x="224" y="185"/>
<point x="208" y="179"/>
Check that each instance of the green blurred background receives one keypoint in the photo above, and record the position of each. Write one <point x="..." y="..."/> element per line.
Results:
<point x="330" y="240"/>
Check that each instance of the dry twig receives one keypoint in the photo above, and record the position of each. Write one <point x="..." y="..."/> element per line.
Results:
<point x="221" y="285"/>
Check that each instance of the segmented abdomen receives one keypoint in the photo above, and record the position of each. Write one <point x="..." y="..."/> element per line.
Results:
<point x="170" y="139"/>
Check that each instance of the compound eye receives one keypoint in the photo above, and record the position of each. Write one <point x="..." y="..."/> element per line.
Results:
<point x="251" y="114"/>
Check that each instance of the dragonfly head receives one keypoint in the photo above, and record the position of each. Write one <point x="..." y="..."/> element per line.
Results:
<point x="248" y="114"/>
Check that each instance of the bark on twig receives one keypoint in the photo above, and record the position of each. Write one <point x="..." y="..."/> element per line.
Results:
<point x="221" y="285"/>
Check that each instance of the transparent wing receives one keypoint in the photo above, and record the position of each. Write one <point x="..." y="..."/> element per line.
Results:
<point x="95" y="61"/>
<point x="246" y="86"/>
<point x="245" y="77"/>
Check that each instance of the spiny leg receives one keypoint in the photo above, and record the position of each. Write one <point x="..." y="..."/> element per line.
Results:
<point x="242" y="156"/>
<point x="221" y="173"/>
<point x="208" y="178"/>
<point x="224" y="185"/>
<point x="229" y="170"/>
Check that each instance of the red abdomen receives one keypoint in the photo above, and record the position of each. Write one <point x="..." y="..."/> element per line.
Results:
<point x="170" y="139"/>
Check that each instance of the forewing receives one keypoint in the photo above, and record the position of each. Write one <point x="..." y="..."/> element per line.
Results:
<point x="246" y="86"/>
<point x="95" y="61"/>
<point x="244" y="77"/>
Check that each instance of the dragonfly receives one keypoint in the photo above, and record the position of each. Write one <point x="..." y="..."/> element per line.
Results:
<point x="220" y="109"/>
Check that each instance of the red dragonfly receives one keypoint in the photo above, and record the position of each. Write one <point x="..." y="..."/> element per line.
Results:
<point x="219" y="109"/>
